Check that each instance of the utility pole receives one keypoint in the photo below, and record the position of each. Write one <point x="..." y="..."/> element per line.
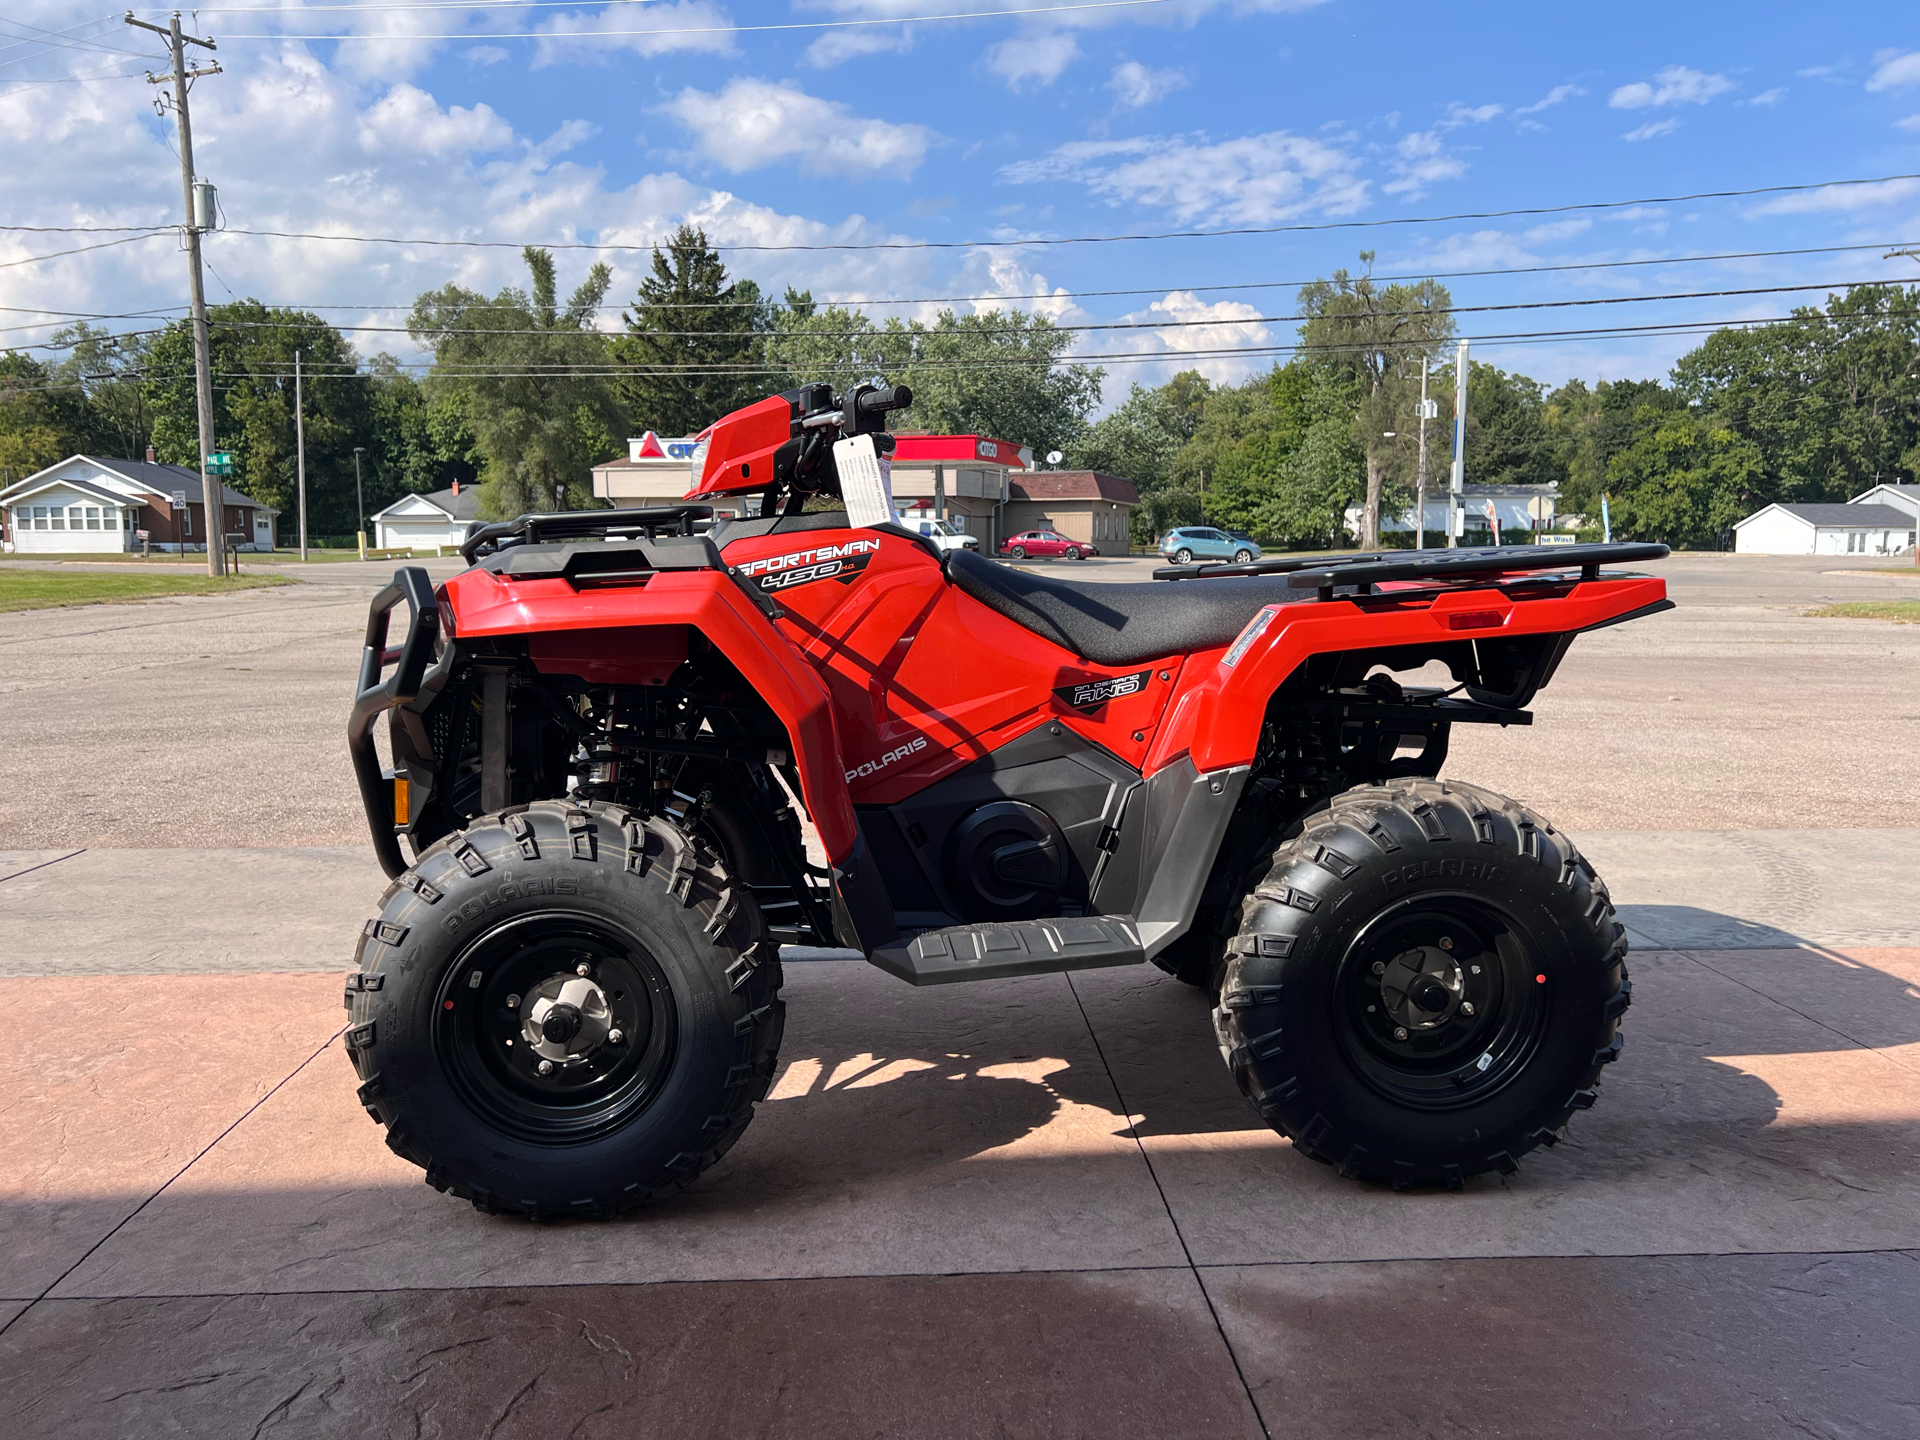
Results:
<point x="1457" y="480"/>
<point x="1420" y="484"/>
<point x="359" y="502"/>
<point x="1915" y="547"/>
<point x="200" y="217"/>
<point x="300" y="449"/>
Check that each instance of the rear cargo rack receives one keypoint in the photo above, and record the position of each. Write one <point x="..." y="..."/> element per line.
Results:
<point x="1326" y="572"/>
<point x="652" y="522"/>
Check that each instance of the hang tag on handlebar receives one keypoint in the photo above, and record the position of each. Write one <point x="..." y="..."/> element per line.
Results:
<point x="866" y="482"/>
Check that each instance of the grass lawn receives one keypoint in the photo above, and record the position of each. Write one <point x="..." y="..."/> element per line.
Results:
<point x="1901" y="612"/>
<point x="43" y="589"/>
<point x="192" y="560"/>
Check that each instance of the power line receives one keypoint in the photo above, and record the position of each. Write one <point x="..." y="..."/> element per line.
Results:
<point x="80" y="250"/>
<point x="1040" y="242"/>
<point x="775" y="336"/>
<point x="675" y="30"/>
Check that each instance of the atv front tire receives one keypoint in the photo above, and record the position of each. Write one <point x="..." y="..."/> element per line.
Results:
<point x="564" y="1010"/>
<point x="1424" y="985"/>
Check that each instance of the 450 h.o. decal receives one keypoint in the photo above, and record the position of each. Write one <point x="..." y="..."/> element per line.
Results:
<point x="803" y="567"/>
<point x="1092" y="694"/>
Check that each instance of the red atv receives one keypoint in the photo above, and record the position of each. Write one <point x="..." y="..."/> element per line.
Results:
<point x="603" y="731"/>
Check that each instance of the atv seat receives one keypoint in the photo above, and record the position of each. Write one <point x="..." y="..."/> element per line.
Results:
<point x="1120" y="624"/>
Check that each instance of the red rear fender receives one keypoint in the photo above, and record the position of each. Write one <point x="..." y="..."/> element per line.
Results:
<point x="1219" y="712"/>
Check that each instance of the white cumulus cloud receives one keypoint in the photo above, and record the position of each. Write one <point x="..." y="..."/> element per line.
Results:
<point x="1252" y="180"/>
<point x="838" y="46"/>
<point x="1136" y="86"/>
<point x="1032" y="61"/>
<point x="1653" y="129"/>
<point x="1675" y="85"/>
<point x="1553" y="97"/>
<point x="1767" y="99"/>
<point x="1893" y="70"/>
<point x="600" y="35"/>
<point x="407" y="118"/>
<point x="754" y="123"/>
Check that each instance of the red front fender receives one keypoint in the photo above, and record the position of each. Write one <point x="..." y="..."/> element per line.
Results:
<point x="485" y="607"/>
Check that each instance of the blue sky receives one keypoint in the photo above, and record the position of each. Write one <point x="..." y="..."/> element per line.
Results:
<point x="1187" y="115"/>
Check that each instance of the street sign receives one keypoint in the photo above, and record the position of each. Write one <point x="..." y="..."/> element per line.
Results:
<point x="1540" y="508"/>
<point x="220" y="462"/>
<point x="179" y="499"/>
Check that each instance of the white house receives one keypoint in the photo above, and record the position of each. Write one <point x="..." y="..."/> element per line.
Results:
<point x="1509" y="504"/>
<point x="89" y="503"/>
<point x="1850" y="529"/>
<point x="426" y="522"/>
<point x="1901" y="497"/>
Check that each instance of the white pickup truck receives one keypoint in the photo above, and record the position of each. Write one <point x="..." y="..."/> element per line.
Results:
<point x="944" y="533"/>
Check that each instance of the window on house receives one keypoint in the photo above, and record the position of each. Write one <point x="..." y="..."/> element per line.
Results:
<point x="1856" y="541"/>
<point x="59" y="518"/>
<point x="93" y="517"/>
<point x="39" y="517"/>
<point x="186" y="522"/>
<point x="126" y="519"/>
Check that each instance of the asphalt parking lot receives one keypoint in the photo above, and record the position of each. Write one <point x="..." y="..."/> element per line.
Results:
<point x="1029" y="1207"/>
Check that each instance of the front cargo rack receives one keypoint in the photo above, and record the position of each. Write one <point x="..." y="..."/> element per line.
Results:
<point x="652" y="522"/>
<point x="1326" y="572"/>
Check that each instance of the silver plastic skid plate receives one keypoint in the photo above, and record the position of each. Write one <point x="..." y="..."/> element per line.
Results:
<point x="1014" y="947"/>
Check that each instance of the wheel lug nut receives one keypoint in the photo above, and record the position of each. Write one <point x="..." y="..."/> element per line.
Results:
<point x="583" y="970"/>
<point x="1446" y="942"/>
<point x="615" y="1037"/>
<point x="1466" y="1007"/>
<point x="513" y="1002"/>
<point x="1379" y="967"/>
<point x="1400" y="1032"/>
<point x="545" y="1067"/>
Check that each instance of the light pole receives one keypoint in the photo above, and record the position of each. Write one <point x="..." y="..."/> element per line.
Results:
<point x="1378" y="542"/>
<point x="359" y="501"/>
<point x="1427" y="412"/>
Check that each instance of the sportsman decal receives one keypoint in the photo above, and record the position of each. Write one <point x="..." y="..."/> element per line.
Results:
<point x="1092" y="694"/>
<point x="802" y="567"/>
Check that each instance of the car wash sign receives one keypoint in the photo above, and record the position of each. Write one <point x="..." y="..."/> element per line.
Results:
<point x="651" y="447"/>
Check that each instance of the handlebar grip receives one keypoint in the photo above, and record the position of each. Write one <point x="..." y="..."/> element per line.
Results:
<point x="878" y="401"/>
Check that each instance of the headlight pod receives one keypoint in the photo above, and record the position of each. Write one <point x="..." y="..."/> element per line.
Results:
<point x="697" y="462"/>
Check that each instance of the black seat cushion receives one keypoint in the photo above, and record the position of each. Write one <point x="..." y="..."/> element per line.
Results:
<point x="1120" y="624"/>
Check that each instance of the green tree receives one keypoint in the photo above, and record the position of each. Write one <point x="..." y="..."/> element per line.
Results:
<point x="42" y="417"/>
<point x="1684" y="480"/>
<point x="252" y="348"/>
<point x="1828" y="396"/>
<point x="531" y="379"/>
<point x="1588" y="427"/>
<point x="691" y="341"/>
<point x="1381" y="336"/>
<point x="999" y="372"/>
<point x="1139" y="441"/>
<point x="107" y="368"/>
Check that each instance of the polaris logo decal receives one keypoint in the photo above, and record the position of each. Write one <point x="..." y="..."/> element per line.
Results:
<point x="803" y="567"/>
<point x="874" y="767"/>
<point x="1095" y="693"/>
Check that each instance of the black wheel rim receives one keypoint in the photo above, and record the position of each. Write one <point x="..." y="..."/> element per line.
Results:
<point x="483" y="1041"/>
<point x="1441" y="1001"/>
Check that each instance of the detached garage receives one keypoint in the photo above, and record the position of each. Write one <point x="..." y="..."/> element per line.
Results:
<point x="426" y="522"/>
<point x="1849" y="529"/>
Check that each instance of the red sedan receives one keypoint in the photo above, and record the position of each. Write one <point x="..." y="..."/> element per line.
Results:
<point x="1045" y="544"/>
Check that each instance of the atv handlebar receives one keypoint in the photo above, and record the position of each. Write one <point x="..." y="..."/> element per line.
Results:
<point x="872" y="404"/>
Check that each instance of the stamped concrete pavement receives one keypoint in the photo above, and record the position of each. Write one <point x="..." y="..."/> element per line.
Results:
<point x="1021" y="1207"/>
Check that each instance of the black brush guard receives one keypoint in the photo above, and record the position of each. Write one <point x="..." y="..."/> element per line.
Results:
<point x="412" y="660"/>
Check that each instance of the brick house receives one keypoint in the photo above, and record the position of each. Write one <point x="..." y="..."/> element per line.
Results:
<point x="92" y="503"/>
<point x="1080" y="504"/>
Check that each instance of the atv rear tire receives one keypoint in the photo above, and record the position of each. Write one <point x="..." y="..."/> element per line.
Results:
<point x="616" y="953"/>
<point x="1424" y="985"/>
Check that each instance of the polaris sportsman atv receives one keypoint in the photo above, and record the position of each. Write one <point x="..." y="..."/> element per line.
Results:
<point x="604" y="730"/>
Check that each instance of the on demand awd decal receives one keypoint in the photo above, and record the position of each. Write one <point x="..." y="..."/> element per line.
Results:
<point x="1092" y="694"/>
<point x="803" y="567"/>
